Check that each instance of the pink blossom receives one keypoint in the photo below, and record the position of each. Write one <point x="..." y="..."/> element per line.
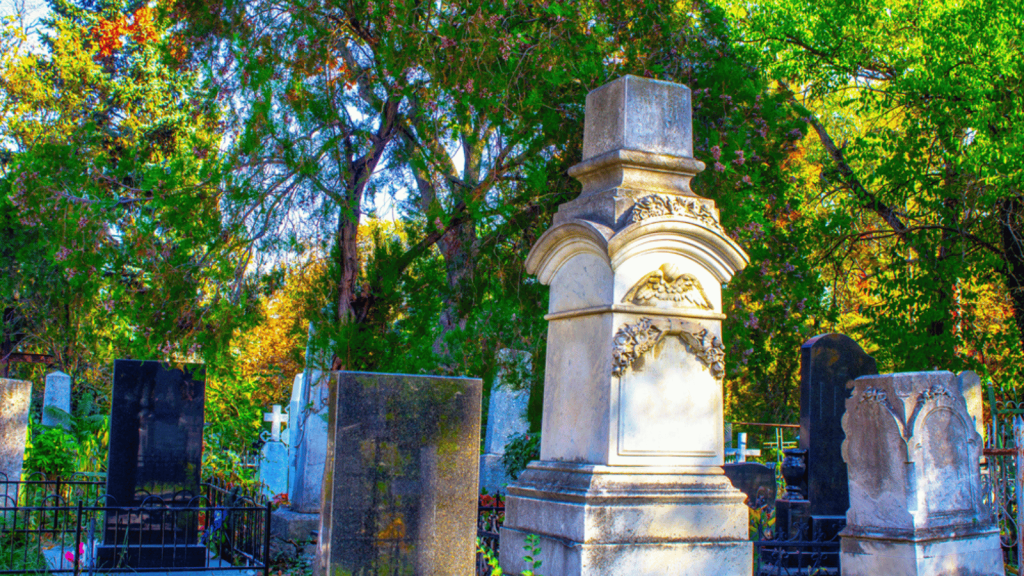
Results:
<point x="716" y="152"/>
<point x="719" y="167"/>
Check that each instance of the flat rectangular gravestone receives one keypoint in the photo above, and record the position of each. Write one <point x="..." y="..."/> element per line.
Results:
<point x="400" y="483"/>
<point x="15" y="396"/>
<point x="156" y="449"/>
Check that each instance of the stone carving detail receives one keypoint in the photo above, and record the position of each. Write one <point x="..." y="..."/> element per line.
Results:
<point x="669" y="284"/>
<point x="708" y="349"/>
<point x="633" y="340"/>
<point x="664" y="205"/>
<point x="878" y="396"/>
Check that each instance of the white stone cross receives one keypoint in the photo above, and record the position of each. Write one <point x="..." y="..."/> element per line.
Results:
<point x="276" y="419"/>
<point x="740" y="451"/>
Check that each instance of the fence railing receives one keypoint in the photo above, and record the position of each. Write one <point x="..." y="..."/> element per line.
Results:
<point x="71" y="526"/>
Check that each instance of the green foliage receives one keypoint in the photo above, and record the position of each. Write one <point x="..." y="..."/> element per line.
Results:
<point x="52" y="451"/>
<point x="520" y="450"/>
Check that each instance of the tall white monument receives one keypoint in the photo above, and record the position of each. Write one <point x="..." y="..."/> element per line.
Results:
<point x="630" y="478"/>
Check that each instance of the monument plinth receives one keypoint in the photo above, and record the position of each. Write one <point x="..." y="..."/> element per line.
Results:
<point x="630" y="479"/>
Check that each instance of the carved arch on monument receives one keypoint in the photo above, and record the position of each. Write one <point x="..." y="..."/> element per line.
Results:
<point x="634" y="340"/>
<point x="561" y="243"/>
<point x="712" y="249"/>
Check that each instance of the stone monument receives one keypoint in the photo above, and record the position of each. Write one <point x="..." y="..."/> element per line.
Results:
<point x="57" y="400"/>
<point x="630" y="479"/>
<point x="308" y="413"/>
<point x="506" y="416"/>
<point x="400" y="486"/>
<point x="155" y="454"/>
<point x="15" y="397"/>
<point x="970" y="386"/>
<point x="916" y="501"/>
<point x="816" y="499"/>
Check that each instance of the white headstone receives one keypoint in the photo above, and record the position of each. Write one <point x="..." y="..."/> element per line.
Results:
<point x="633" y="404"/>
<point x="970" y="386"/>
<point x="506" y="416"/>
<point x="15" y="396"/>
<point x="916" y="501"/>
<point x="274" y="468"/>
<point x="57" y="400"/>
<point x="308" y="440"/>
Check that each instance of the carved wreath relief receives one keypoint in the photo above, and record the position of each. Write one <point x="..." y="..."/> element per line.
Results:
<point x="906" y="428"/>
<point x="633" y="340"/>
<point x="669" y="284"/>
<point x="664" y="205"/>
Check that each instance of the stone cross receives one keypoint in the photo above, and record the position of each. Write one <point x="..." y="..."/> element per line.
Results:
<point x="633" y="404"/>
<point x="740" y="451"/>
<point x="276" y="419"/>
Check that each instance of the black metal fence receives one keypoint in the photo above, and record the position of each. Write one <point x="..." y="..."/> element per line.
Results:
<point x="490" y="516"/>
<point x="70" y="526"/>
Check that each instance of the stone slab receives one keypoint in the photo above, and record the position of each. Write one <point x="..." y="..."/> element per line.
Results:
<point x="274" y="469"/>
<point x="756" y="481"/>
<point x="977" y="554"/>
<point x="400" y="484"/>
<point x="308" y="412"/>
<point x="558" y="557"/>
<point x="15" y="398"/>
<point x="289" y="525"/>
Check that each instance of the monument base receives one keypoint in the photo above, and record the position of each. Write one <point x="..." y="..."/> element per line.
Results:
<point x="150" y="556"/>
<point x="289" y="525"/>
<point x="492" y="474"/>
<point x="970" y="551"/>
<point x="644" y="521"/>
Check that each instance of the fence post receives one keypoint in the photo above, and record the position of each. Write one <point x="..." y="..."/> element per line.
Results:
<point x="78" y="540"/>
<point x="1018" y="444"/>
<point x="266" y="543"/>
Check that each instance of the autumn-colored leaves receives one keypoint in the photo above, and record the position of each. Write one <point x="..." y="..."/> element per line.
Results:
<point x="109" y="35"/>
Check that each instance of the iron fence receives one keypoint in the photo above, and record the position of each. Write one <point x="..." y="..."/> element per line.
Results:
<point x="71" y="526"/>
<point x="490" y="516"/>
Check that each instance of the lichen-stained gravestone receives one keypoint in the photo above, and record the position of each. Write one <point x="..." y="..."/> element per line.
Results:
<point x="630" y="478"/>
<point x="400" y="484"/>
<point x="916" y="499"/>
<point x="15" y="396"/>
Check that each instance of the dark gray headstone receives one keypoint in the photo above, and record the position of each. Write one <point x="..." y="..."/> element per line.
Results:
<point x="817" y="494"/>
<point x="156" y="449"/>
<point x="827" y="363"/>
<point x="755" y="480"/>
<point x="400" y="483"/>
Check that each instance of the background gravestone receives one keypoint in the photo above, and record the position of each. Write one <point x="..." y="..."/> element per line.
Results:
<point x="819" y="500"/>
<point x="274" y="467"/>
<point x="506" y="416"/>
<point x="308" y="437"/>
<point x="156" y="449"/>
<point x="57" y="400"/>
<point x="400" y="487"/>
<point x="917" y="504"/>
<point x="15" y="396"/>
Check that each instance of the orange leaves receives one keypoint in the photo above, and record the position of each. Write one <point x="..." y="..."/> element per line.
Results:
<point x="109" y="34"/>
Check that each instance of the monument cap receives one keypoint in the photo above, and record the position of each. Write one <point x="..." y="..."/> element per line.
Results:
<point x="642" y="114"/>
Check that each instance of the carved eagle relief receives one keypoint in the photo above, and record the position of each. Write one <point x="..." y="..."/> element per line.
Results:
<point x="669" y="284"/>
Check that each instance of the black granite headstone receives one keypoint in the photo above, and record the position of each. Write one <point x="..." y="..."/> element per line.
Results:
<point x="817" y="492"/>
<point x="400" y="482"/>
<point x="755" y="480"/>
<point x="156" y="449"/>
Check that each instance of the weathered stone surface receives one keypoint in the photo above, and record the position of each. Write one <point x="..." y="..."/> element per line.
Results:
<point x="400" y="487"/>
<point x="506" y="416"/>
<point x="293" y="526"/>
<point x="971" y="388"/>
<point x="916" y="502"/>
<point x="57" y="400"/>
<point x="308" y="440"/>
<point x="636" y="113"/>
<point x="274" y="468"/>
<point x="15" y="397"/>
<point x="635" y="361"/>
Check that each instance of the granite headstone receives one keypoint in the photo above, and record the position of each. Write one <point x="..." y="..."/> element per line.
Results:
<point x="817" y="495"/>
<point x="400" y="486"/>
<point x="57" y="400"/>
<point x="15" y="396"/>
<point x="156" y="448"/>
